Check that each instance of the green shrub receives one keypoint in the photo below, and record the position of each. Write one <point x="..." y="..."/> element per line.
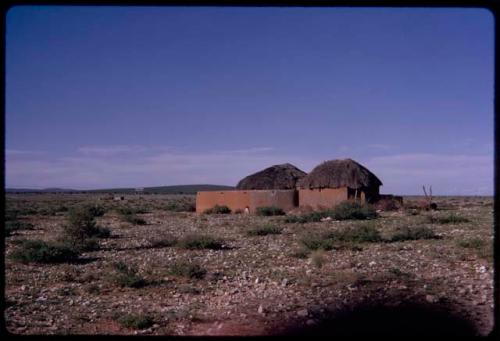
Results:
<point x="218" y="210"/>
<point x="81" y="228"/>
<point x="264" y="230"/>
<point x="39" y="251"/>
<point x="414" y="233"/>
<point x="200" y="241"/>
<point x="449" y="219"/>
<point x="269" y="211"/>
<point x="126" y="276"/>
<point x="136" y="321"/>
<point x="353" y="210"/>
<point x="187" y="269"/>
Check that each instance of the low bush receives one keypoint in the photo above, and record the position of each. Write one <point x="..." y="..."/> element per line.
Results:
<point x="448" y="219"/>
<point x="358" y="234"/>
<point x="200" y="241"/>
<point x="347" y="210"/>
<point x="264" y="230"/>
<point x="187" y="269"/>
<point x="318" y="258"/>
<point x="413" y="233"/>
<point x="471" y="243"/>
<point x="389" y="204"/>
<point x="269" y="211"/>
<point x="126" y="276"/>
<point x="354" y="210"/>
<point x="16" y="225"/>
<point x="181" y="206"/>
<point x="217" y="209"/>
<point x="39" y="251"/>
<point x="163" y="241"/>
<point x="133" y="219"/>
<point x="328" y="240"/>
<point x="96" y="210"/>
<point x="136" y="321"/>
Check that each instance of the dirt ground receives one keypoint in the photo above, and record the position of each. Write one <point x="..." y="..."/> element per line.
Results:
<point x="254" y="285"/>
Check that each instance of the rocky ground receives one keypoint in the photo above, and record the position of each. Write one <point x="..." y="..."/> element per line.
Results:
<point x="254" y="285"/>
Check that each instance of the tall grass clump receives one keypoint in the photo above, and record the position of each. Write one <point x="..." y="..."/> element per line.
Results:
<point x="269" y="211"/>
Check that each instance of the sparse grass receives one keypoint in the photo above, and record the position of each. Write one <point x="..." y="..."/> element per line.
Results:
<point x="269" y="211"/>
<point x="264" y="230"/>
<point x="217" y="209"/>
<point x="200" y="241"/>
<point x="187" y="269"/>
<point x="126" y="276"/>
<point x="413" y="233"/>
<point x="448" y="219"/>
<point x="39" y="251"/>
<point x="136" y="321"/>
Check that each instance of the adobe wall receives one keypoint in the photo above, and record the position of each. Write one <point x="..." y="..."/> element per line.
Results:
<point x="239" y="200"/>
<point x="322" y="198"/>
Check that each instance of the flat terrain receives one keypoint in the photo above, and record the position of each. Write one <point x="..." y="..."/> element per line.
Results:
<point x="252" y="284"/>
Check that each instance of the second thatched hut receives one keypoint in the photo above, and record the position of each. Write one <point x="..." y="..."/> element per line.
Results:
<point x="335" y="181"/>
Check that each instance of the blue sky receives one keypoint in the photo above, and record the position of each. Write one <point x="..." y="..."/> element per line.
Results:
<point x="145" y="96"/>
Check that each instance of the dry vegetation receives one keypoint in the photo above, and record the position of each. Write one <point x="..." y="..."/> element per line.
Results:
<point x="150" y="265"/>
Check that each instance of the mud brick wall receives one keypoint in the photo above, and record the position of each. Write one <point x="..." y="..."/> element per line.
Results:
<point x="322" y="198"/>
<point x="239" y="200"/>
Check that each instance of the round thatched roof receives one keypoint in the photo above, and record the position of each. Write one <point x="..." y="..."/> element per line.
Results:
<point x="339" y="173"/>
<point x="283" y="176"/>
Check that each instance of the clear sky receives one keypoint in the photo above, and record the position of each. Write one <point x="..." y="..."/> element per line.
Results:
<point x="149" y="96"/>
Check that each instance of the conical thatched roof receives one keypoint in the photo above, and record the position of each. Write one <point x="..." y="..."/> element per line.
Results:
<point x="339" y="173"/>
<point x="283" y="176"/>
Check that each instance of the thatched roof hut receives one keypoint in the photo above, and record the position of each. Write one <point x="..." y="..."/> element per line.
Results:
<point x="283" y="176"/>
<point x="340" y="173"/>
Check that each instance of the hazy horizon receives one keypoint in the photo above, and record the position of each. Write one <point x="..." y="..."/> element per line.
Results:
<point x="116" y="97"/>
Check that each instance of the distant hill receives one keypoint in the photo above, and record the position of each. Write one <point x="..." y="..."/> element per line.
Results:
<point x="178" y="189"/>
